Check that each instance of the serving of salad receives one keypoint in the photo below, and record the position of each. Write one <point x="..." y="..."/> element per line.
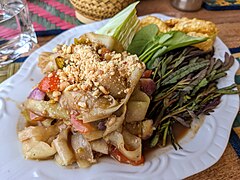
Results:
<point x="123" y="89"/>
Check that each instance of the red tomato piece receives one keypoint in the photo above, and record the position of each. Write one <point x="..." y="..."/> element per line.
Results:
<point x="49" y="83"/>
<point x="116" y="154"/>
<point x="80" y="126"/>
<point x="147" y="74"/>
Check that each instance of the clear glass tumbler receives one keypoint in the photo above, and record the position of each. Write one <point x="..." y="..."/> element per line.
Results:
<point x="17" y="34"/>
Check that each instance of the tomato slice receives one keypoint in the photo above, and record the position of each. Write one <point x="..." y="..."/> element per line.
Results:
<point x="49" y="83"/>
<point x="116" y="154"/>
<point x="80" y="126"/>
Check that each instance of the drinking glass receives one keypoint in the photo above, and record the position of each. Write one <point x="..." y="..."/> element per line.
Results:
<point x="187" y="5"/>
<point x="17" y="34"/>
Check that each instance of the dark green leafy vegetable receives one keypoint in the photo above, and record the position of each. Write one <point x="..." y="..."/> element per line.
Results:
<point x="186" y="80"/>
<point x="182" y="72"/>
<point x="150" y="47"/>
<point x="141" y="39"/>
<point x="178" y="39"/>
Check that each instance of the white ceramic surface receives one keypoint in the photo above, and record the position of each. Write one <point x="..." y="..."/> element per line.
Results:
<point x="198" y="154"/>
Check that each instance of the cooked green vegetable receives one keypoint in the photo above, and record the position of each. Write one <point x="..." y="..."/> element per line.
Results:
<point x="186" y="82"/>
<point x="182" y="72"/>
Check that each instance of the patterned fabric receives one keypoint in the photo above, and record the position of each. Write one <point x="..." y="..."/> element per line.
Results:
<point x="234" y="138"/>
<point x="221" y="4"/>
<point x="52" y="15"/>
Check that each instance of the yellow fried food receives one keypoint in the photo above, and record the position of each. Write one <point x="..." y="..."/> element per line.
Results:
<point x="206" y="45"/>
<point x="192" y="27"/>
<point x="196" y="27"/>
<point x="154" y="20"/>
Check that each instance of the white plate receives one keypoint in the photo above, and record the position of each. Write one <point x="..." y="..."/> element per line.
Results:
<point x="198" y="154"/>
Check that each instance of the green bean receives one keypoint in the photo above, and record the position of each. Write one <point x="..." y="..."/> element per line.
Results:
<point x="228" y="87"/>
<point x="186" y="82"/>
<point x="165" y="64"/>
<point x="228" y="91"/>
<point x="154" y="141"/>
<point x="165" y="134"/>
<point x="194" y="60"/>
<point x="217" y="64"/>
<point x="196" y="80"/>
<point x="210" y="67"/>
<point x="218" y="76"/>
<point x="202" y="83"/>
<point x="182" y="72"/>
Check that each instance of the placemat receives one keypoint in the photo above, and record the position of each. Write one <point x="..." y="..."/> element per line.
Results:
<point x="51" y="17"/>
<point x="235" y="134"/>
<point x="227" y="168"/>
<point x="217" y="5"/>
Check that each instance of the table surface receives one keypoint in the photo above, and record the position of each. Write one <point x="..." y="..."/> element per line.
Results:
<point x="228" y="23"/>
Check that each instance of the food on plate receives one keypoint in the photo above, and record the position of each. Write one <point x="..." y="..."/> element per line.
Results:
<point x="122" y="26"/>
<point x="192" y="27"/>
<point x="186" y="81"/>
<point x="119" y="91"/>
<point x="90" y="96"/>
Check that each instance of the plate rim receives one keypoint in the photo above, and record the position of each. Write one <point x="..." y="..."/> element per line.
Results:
<point x="28" y="64"/>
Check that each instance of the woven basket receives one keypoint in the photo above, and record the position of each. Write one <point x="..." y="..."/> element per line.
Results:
<point x="95" y="10"/>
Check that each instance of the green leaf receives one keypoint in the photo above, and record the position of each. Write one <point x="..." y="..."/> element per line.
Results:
<point x="160" y="52"/>
<point x="142" y="38"/>
<point x="150" y="49"/>
<point x="162" y="38"/>
<point x="151" y="62"/>
<point x="180" y="39"/>
<point x="176" y="39"/>
<point x="122" y="26"/>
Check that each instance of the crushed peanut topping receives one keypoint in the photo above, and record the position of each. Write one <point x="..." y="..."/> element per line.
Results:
<point x="87" y="67"/>
<point x="82" y="104"/>
<point x="56" y="94"/>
